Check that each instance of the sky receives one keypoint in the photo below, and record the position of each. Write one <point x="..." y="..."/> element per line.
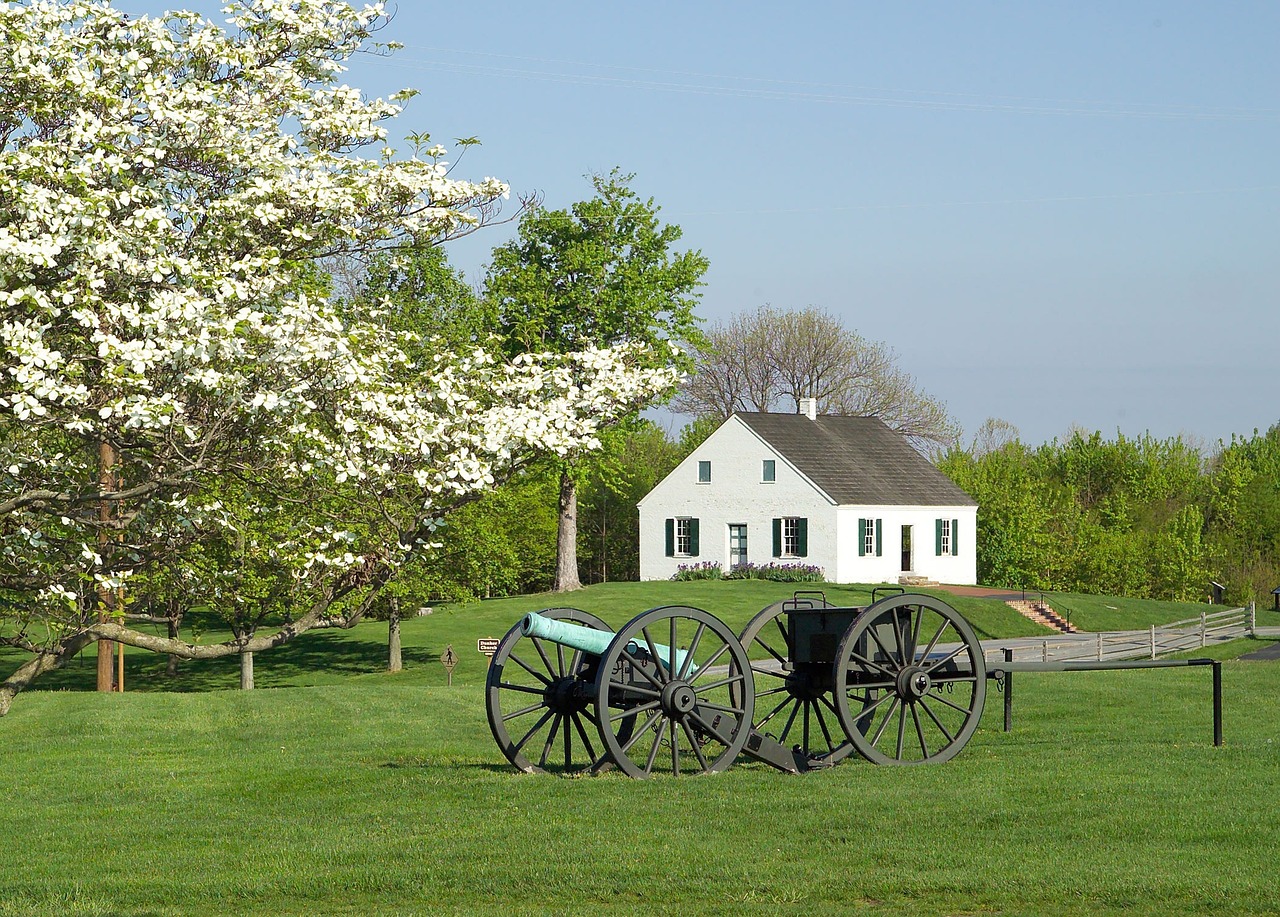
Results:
<point x="1060" y="214"/>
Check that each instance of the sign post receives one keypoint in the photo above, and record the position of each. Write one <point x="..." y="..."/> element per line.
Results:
<point x="449" y="659"/>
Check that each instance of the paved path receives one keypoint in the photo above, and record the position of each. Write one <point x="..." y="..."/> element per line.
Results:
<point x="1080" y="642"/>
<point x="1267" y="653"/>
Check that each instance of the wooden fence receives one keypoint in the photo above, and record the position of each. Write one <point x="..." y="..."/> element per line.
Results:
<point x="1156" y="641"/>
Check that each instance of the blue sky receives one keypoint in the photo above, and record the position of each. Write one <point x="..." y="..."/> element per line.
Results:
<point x="1056" y="213"/>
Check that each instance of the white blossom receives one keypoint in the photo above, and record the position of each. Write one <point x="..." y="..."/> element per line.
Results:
<point x="165" y="185"/>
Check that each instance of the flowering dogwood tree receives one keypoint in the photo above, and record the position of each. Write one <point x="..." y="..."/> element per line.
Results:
<point x="166" y="186"/>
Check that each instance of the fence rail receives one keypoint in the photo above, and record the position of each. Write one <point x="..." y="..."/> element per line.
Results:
<point x="1156" y="641"/>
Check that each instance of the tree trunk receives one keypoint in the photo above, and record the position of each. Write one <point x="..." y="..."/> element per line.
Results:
<point x="106" y="598"/>
<point x="604" y="541"/>
<point x="246" y="671"/>
<point x="175" y="631"/>
<point x="393" y="637"/>
<point x="566" y="579"/>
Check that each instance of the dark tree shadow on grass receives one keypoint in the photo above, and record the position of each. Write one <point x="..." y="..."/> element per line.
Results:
<point x="315" y="658"/>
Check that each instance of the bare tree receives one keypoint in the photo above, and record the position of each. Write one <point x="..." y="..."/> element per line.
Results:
<point x="770" y="359"/>
<point x="992" y="436"/>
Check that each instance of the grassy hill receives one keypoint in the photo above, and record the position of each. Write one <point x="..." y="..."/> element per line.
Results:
<point x="328" y="657"/>
<point x="343" y="790"/>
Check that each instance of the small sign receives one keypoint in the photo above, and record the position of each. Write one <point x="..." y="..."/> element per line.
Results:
<point x="487" y="646"/>
<point x="449" y="659"/>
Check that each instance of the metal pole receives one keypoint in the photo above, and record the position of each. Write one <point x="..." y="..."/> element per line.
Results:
<point x="1217" y="704"/>
<point x="1008" y="692"/>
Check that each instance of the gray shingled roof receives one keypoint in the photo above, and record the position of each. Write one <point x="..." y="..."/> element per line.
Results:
<point x="857" y="460"/>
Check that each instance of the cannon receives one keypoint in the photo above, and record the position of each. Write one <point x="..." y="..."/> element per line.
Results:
<point x="901" y="681"/>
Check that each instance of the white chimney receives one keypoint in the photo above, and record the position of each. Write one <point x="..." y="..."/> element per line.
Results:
<point x="809" y="408"/>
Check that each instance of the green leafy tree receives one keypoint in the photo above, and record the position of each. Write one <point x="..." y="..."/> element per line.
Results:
<point x="417" y="292"/>
<point x="600" y="273"/>
<point x="503" y="544"/>
<point x="1243" y="514"/>
<point x="1020" y="515"/>
<point x="639" y="456"/>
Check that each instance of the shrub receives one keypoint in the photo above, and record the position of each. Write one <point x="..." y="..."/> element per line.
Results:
<point x="778" y="573"/>
<point x="708" y="569"/>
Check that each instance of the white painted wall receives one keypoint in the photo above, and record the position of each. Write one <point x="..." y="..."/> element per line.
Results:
<point x="737" y="494"/>
<point x="960" y="569"/>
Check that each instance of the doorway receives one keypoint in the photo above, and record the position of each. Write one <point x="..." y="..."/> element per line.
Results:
<point x="907" y="566"/>
<point x="737" y="545"/>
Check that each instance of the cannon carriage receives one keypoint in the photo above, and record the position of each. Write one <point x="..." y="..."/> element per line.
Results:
<point x="901" y="681"/>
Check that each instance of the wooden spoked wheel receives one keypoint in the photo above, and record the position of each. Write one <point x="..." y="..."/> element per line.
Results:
<point x="795" y="703"/>
<point x="539" y="695"/>
<point x="910" y="681"/>
<point x="682" y="712"/>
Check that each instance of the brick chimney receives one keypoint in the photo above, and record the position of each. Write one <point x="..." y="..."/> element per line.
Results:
<point x="809" y="408"/>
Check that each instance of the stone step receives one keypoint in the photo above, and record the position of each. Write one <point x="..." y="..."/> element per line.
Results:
<point x="1042" y="614"/>
<point x="915" y="579"/>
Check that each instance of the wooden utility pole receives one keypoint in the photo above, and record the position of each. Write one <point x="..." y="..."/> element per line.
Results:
<point x="106" y="597"/>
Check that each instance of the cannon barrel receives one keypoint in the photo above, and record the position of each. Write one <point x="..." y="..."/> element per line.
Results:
<point x="590" y="640"/>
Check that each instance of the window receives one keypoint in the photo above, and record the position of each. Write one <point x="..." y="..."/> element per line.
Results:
<point x="704" y="472"/>
<point x="769" y="473"/>
<point x="682" y="537"/>
<point x="870" y="542"/>
<point x="791" y="537"/>
<point x="947" y="532"/>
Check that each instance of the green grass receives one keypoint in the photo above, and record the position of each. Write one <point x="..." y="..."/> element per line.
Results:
<point x="331" y="657"/>
<point x="1109" y="613"/>
<point x="346" y="791"/>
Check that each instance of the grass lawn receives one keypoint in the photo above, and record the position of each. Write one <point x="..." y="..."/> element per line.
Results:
<point x="341" y="790"/>
<point x="1108" y="613"/>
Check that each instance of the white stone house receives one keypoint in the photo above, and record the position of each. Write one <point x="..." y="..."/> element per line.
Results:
<point x="846" y="494"/>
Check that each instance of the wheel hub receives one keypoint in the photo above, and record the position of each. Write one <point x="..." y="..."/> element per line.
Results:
<point x="678" y="697"/>
<point x="913" y="683"/>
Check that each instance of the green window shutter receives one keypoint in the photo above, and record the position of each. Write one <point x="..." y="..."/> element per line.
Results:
<point x="693" y="537"/>
<point x="955" y="540"/>
<point x="862" y="537"/>
<point x="878" y="538"/>
<point x="802" y="537"/>
<point x="671" y="538"/>
<point x="937" y="537"/>
<point x="777" y="537"/>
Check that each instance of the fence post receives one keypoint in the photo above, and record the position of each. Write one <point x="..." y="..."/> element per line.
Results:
<point x="1099" y="646"/>
<point x="1253" y="620"/>
<point x="1044" y="652"/>
<point x="1217" y="703"/>
<point x="1203" y="630"/>
<point x="1153" y="641"/>
<point x="1008" y="692"/>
